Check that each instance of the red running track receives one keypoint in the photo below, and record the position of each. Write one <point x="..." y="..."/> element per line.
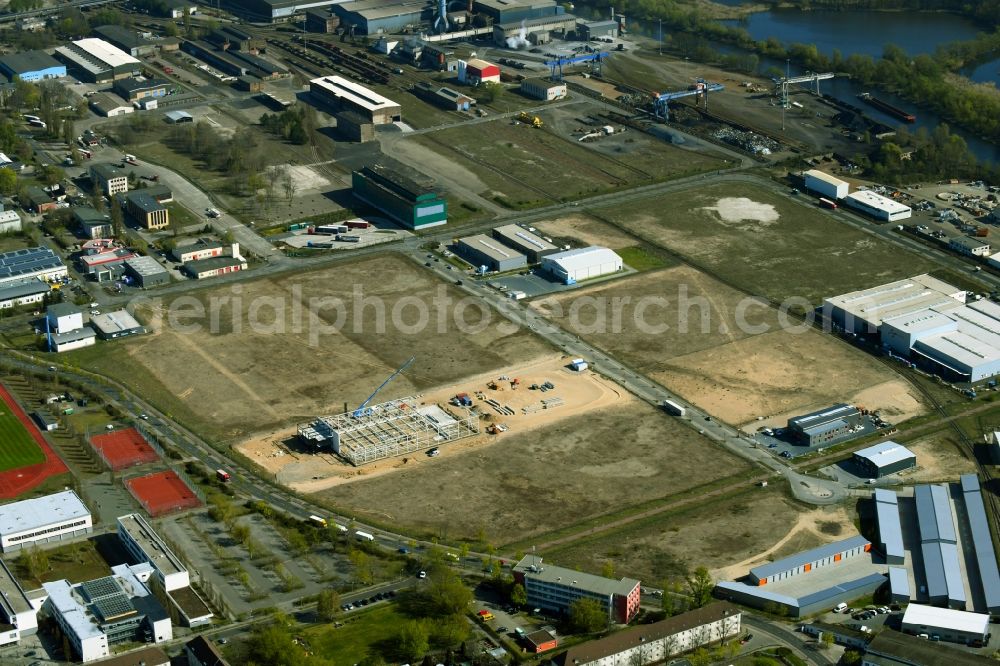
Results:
<point x="19" y="480"/>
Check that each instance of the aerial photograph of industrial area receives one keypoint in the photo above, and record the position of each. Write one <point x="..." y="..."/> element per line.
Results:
<point x="489" y="332"/>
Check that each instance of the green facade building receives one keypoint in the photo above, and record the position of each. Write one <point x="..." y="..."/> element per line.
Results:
<point x="414" y="206"/>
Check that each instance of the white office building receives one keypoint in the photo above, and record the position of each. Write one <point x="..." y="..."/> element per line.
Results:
<point x="18" y="615"/>
<point x="145" y="545"/>
<point x="41" y="520"/>
<point x="945" y="624"/>
<point x="116" y="609"/>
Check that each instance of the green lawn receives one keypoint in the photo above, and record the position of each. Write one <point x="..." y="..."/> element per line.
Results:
<point x="640" y="258"/>
<point x="17" y="447"/>
<point x="364" y="633"/>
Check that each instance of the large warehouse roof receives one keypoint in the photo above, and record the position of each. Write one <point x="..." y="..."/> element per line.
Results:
<point x="111" y="55"/>
<point x="902" y="297"/>
<point x="35" y="513"/>
<point x="957" y="351"/>
<point x="524" y="238"/>
<point x="899" y="581"/>
<point x="490" y="247"/>
<point x="353" y="92"/>
<point x="982" y="541"/>
<point x="890" y="531"/>
<point x="580" y="258"/>
<point x="943" y="571"/>
<point x="808" y="556"/>
<point x="29" y="61"/>
<point x="934" y="513"/>
<point x="945" y="618"/>
<point x="825" y="177"/>
<point x="877" y="201"/>
<point x="885" y="453"/>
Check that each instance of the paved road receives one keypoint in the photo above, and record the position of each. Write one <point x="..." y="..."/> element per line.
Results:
<point x="782" y="635"/>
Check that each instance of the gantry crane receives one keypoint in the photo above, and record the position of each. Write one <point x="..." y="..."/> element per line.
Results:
<point x="557" y="65"/>
<point x="699" y="87"/>
<point x="811" y="77"/>
<point x="363" y="409"/>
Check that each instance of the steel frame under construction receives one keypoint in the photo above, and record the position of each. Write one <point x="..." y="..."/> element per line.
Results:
<point x="390" y="429"/>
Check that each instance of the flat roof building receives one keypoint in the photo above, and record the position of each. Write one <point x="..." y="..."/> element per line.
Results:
<point x="878" y="206"/>
<point x="109" y="178"/>
<point x="146" y="210"/>
<point x="890" y="530"/>
<point x="971" y="247"/>
<point x="943" y="574"/>
<point x="70" y="340"/>
<point x="42" y="520"/>
<point x="506" y="11"/>
<point x="117" y="324"/>
<point x="92" y="223"/>
<point x="949" y="625"/>
<point x="31" y="66"/>
<point x="202" y="652"/>
<point x="555" y="588"/>
<point x="829" y="595"/>
<point x="414" y="205"/>
<point x="272" y="10"/>
<point x="864" y="311"/>
<point x="97" y="614"/>
<point x="884" y="459"/>
<point x="147" y="272"/>
<point x="572" y="266"/>
<point x="891" y="648"/>
<point x="532" y="245"/>
<point x="825" y="426"/>
<point x="899" y="585"/>
<point x="481" y="250"/>
<point x="345" y="95"/>
<point x="371" y="17"/>
<point x="201" y="269"/>
<point x="145" y="545"/>
<point x="96" y="60"/>
<point x="20" y="618"/>
<point x="137" y="88"/>
<point x="129" y="41"/>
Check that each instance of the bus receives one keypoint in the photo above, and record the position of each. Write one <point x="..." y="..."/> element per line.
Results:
<point x="826" y="203"/>
<point x="318" y="521"/>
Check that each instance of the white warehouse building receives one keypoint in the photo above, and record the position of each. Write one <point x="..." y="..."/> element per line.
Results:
<point x="864" y="311"/>
<point x="964" y="342"/>
<point x="584" y="263"/>
<point x="43" y="519"/>
<point x="878" y="206"/>
<point x="19" y="617"/>
<point x="145" y="545"/>
<point x="825" y="184"/>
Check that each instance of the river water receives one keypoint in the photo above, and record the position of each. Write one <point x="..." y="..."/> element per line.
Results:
<point x="865" y="33"/>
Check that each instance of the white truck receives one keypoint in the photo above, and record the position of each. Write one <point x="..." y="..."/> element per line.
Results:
<point x="364" y="536"/>
<point x="673" y="408"/>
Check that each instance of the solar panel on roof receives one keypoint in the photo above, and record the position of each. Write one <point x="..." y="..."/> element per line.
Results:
<point x="114" y="607"/>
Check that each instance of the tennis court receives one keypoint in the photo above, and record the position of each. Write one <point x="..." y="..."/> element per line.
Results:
<point x="161" y="493"/>
<point x="123" y="448"/>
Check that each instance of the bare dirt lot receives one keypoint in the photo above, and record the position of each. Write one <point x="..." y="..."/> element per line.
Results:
<point x="575" y="394"/>
<point x="938" y="459"/>
<point x="586" y="230"/>
<point x="735" y="369"/>
<point x="304" y="357"/>
<point x="530" y="483"/>
<point x="768" y="244"/>
<point x="712" y="534"/>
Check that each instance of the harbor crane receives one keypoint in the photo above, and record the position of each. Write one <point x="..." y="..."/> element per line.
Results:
<point x="557" y="65"/>
<point x="364" y="409"/>
<point x="699" y="87"/>
<point x="810" y="77"/>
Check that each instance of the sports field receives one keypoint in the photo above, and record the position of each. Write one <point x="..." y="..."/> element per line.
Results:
<point x="17" y="447"/>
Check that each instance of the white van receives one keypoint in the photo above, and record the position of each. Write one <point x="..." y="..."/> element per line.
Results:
<point x="840" y="608"/>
